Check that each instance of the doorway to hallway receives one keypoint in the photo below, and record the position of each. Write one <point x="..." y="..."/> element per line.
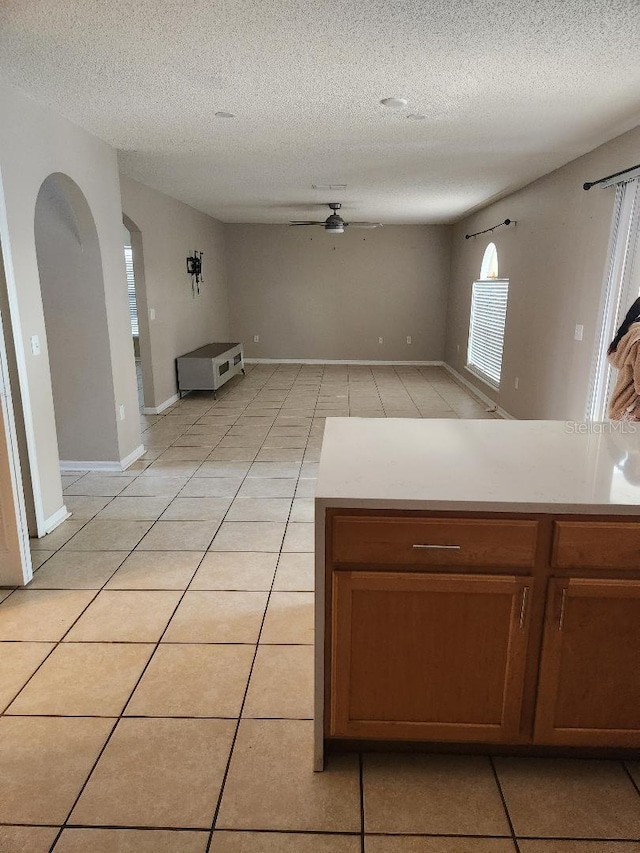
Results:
<point x="138" y="311"/>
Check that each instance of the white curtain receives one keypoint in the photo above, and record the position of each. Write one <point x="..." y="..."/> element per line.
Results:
<point x="621" y="288"/>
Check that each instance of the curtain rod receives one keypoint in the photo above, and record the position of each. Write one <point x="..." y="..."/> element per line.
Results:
<point x="589" y="184"/>
<point x="486" y="230"/>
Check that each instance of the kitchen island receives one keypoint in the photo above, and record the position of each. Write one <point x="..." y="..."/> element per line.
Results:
<point x="478" y="582"/>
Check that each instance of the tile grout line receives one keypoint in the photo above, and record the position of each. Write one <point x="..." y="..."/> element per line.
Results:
<point x="504" y="805"/>
<point x="635" y="784"/>
<point x="59" y="642"/>
<point x="118" y="719"/>
<point x="120" y="716"/>
<point x="246" y="690"/>
<point x="327" y="832"/>
<point x="151" y="656"/>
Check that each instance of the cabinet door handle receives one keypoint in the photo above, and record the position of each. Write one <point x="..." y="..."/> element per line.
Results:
<point x="439" y="547"/>
<point x="523" y="606"/>
<point x="563" y="605"/>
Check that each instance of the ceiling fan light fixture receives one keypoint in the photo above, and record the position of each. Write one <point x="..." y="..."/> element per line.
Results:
<point x="334" y="224"/>
<point x="394" y="103"/>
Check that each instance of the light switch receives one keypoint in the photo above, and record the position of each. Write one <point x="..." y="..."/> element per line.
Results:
<point x="152" y="313"/>
<point x="35" y="345"/>
<point x="578" y="333"/>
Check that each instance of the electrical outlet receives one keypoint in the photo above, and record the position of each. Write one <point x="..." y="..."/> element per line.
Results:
<point x="579" y="331"/>
<point x="152" y="313"/>
<point x="35" y="345"/>
<point x="121" y="413"/>
<point x="516" y="383"/>
<point x="408" y="339"/>
<point x="380" y="340"/>
<point x="256" y="339"/>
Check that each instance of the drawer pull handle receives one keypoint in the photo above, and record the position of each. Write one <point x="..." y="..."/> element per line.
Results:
<point x="563" y="605"/>
<point x="523" y="606"/>
<point x="439" y="547"/>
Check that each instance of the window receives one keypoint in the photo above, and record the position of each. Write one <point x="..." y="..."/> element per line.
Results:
<point x="489" y="267"/>
<point x="488" y="317"/>
<point x="131" y="287"/>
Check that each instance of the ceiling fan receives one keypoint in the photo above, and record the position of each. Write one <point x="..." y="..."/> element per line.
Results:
<point x="334" y="223"/>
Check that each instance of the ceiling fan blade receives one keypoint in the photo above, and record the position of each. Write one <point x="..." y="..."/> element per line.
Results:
<point x="308" y="222"/>
<point x="365" y="224"/>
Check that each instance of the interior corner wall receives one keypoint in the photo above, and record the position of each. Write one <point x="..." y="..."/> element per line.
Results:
<point x="555" y="260"/>
<point x="312" y="295"/>
<point x="35" y="142"/>
<point x="184" y="320"/>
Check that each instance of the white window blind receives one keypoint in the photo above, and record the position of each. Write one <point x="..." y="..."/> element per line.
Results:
<point x="486" y="330"/>
<point x="131" y="286"/>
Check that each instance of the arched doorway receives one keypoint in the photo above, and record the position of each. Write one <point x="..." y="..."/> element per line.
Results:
<point x="73" y="300"/>
<point x="139" y="311"/>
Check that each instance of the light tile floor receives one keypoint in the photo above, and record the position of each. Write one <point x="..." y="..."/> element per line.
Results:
<point x="156" y="683"/>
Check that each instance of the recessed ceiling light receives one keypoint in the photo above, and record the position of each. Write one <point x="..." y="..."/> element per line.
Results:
<point x="416" y="117"/>
<point x="224" y="115"/>
<point x="394" y="103"/>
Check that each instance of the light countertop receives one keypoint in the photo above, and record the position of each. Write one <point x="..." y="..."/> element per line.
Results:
<point x="483" y="465"/>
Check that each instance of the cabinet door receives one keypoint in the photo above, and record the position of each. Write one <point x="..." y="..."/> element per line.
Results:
<point x="428" y="657"/>
<point x="589" y="685"/>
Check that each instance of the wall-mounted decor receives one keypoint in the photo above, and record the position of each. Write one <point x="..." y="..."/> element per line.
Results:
<point x="493" y="228"/>
<point x="194" y="269"/>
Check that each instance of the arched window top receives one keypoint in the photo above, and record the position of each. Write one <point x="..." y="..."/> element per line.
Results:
<point x="489" y="268"/>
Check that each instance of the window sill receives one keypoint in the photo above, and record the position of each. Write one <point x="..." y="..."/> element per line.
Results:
<point x="495" y="386"/>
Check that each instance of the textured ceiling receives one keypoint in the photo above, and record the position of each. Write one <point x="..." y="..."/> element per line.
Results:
<point x="511" y="89"/>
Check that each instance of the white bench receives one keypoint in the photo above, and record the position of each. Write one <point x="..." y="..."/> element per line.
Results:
<point x="209" y="367"/>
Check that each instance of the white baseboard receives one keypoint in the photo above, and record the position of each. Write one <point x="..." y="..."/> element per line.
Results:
<point x="157" y="410"/>
<point x="330" y="361"/>
<point x="70" y="466"/>
<point x="477" y="393"/>
<point x="131" y="458"/>
<point x="55" y="520"/>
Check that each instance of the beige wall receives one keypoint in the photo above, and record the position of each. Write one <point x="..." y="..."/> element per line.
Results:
<point x="73" y="298"/>
<point x="170" y="231"/>
<point x="313" y="295"/>
<point x="35" y="143"/>
<point x="554" y="259"/>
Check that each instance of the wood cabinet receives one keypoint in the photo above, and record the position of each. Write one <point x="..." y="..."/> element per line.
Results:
<point x="434" y="541"/>
<point x="437" y="656"/>
<point x="496" y="629"/>
<point x="596" y="545"/>
<point x="589" y="688"/>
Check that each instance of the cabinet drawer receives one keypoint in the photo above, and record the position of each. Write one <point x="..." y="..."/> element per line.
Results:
<point x="596" y="545"/>
<point x="433" y="541"/>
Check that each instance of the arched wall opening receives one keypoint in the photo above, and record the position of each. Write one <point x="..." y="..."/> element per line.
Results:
<point x="143" y="345"/>
<point x="73" y="300"/>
